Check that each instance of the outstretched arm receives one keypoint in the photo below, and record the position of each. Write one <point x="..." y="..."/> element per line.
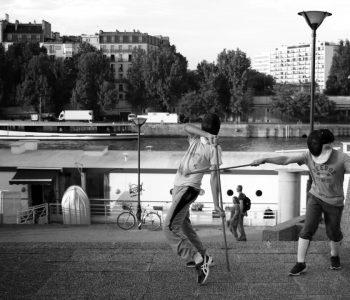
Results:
<point x="278" y="160"/>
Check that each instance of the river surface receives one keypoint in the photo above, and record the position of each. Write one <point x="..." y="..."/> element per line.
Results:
<point x="180" y="144"/>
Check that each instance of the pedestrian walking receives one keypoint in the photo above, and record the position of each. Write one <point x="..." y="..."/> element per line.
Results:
<point x="233" y="222"/>
<point x="241" y="198"/>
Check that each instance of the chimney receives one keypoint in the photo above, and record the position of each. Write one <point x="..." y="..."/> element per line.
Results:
<point x="7" y="17"/>
<point x="16" y="25"/>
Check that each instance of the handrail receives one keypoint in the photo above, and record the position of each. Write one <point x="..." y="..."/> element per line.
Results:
<point x="37" y="213"/>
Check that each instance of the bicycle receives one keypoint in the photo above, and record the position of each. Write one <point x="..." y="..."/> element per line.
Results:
<point x="149" y="219"/>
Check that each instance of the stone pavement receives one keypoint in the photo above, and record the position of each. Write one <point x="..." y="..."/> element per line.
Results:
<point x="104" y="262"/>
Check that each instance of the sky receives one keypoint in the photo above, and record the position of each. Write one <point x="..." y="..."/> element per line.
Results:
<point x="200" y="29"/>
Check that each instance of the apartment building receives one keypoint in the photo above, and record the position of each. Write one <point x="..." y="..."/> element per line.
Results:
<point x="292" y="64"/>
<point x="23" y="32"/>
<point x="118" y="47"/>
<point x="59" y="49"/>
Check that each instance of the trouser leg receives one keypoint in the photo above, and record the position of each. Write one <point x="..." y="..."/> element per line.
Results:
<point x="241" y="227"/>
<point x="175" y="219"/>
<point x="192" y="235"/>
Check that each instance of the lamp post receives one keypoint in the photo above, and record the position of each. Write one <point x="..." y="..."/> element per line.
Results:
<point x="314" y="19"/>
<point x="138" y="121"/>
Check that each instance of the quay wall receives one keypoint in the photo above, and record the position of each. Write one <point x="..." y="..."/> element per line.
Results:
<point x="264" y="130"/>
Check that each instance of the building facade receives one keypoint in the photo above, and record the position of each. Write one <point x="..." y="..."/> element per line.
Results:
<point x="292" y="64"/>
<point x="23" y="32"/>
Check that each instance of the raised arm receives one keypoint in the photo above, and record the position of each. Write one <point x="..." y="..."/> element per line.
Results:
<point x="193" y="130"/>
<point x="215" y="190"/>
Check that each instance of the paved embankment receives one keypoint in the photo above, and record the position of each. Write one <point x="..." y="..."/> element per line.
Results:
<point x="101" y="262"/>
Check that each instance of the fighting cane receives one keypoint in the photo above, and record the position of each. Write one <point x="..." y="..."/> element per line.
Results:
<point x="220" y="202"/>
<point x="206" y="170"/>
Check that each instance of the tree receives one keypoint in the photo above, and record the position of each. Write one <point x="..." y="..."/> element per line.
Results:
<point x="36" y="88"/>
<point x="137" y="94"/>
<point x="338" y="82"/>
<point x="16" y="59"/>
<point x="295" y="104"/>
<point x="94" y="87"/>
<point x="2" y="74"/>
<point x="260" y="83"/>
<point x="157" y="78"/>
<point x="234" y="66"/>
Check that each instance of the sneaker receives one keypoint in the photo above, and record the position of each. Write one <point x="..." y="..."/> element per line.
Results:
<point x="240" y="239"/>
<point x="192" y="264"/>
<point x="297" y="269"/>
<point x="203" y="270"/>
<point x="335" y="263"/>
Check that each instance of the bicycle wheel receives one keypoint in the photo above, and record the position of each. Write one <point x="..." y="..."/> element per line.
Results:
<point x="152" y="221"/>
<point x="126" y="220"/>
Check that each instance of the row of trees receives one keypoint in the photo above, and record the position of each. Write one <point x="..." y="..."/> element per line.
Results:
<point x="28" y="76"/>
<point x="159" y="79"/>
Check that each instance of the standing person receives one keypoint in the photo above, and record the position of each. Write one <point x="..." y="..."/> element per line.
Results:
<point x="201" y="155"/>
<point x="243" y="214"/>
<point x="234" y="218"/>
<point x="327" y="167"/>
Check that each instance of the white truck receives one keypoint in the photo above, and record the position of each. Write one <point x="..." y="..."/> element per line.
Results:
<point x="161" y="117"/>
<point x="76" y="115"/>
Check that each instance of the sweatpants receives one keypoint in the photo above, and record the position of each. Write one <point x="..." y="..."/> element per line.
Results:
<point x="177" y="226"/>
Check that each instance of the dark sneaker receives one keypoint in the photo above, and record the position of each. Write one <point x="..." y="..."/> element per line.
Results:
<point x="335" y="263"/>
<point x="192" y="264"/>
<point x="203" y="270"/>
<point x="242" y="239"/>
<point x="298" y="269"/>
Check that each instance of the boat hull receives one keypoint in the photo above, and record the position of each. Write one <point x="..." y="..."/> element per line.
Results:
<point x="21" y="135"/>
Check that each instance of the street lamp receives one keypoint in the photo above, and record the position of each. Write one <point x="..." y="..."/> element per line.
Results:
<point x="138" y="121"/>
<point x="314" y="19"/>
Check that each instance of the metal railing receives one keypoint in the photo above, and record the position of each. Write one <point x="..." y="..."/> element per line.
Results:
<point x="107" y="210"/>
<point x="37" y="214"/>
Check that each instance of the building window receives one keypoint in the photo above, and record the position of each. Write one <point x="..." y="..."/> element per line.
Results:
<point x="140" y="39"/>
<point x="130" y="57"/>
<point x="9" y="37"/>
<point x="120" y="47"/>
<point x="130" y="38"/>
<point x="121" y="88"/>
<point x="121" y="96"/>
<point x="130" y="48"/>
<point x="120" y="69"/>
<point x="112" y="57"/>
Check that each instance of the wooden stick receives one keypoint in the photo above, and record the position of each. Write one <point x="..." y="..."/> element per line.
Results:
<point x="221" y="204"/>
<point x="222" y="169"/>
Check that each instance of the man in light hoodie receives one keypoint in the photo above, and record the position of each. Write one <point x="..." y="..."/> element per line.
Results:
<point x="201" y="155"/>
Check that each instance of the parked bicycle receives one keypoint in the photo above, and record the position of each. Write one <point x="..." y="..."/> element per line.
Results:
<point x="150" y="219"/>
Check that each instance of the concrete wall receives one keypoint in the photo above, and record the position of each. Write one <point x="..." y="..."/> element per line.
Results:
<point x="248" y="129"/>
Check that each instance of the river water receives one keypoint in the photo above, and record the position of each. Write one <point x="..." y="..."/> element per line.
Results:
<point x="180" y="144"/>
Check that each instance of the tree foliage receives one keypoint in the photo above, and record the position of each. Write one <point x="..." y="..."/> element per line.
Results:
<point x="234" y="66"/>
<point x="94" y="84"/>
<point x="157" y="77"/>
<point x="295" y="104"/>
<point x="338" y="82"/>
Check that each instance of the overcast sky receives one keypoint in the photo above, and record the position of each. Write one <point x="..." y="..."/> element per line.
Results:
<point x="200" y="29"/>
